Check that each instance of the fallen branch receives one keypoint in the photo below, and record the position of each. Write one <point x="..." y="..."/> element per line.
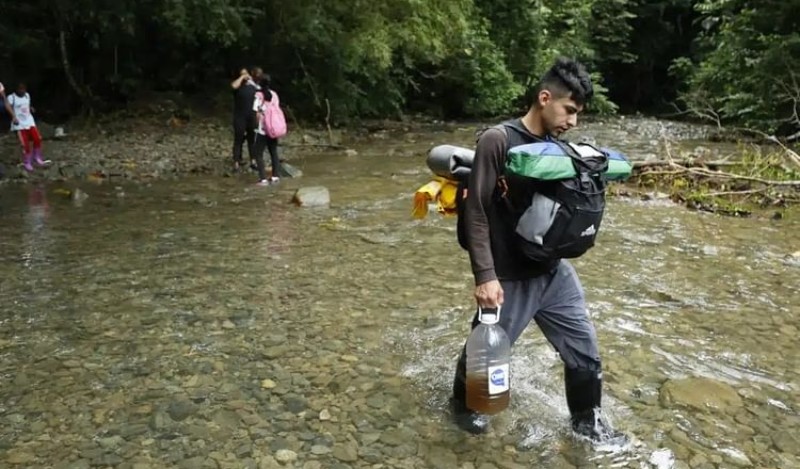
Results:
<point x="726" y="193"/>
<point x="689" y="163"/>
<point x="664" y="173"/>
<point x="679" y="169"/>
<point x="737" y="177"/>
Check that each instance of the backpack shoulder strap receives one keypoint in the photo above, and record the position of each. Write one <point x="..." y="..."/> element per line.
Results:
<point x="275" y="99"/>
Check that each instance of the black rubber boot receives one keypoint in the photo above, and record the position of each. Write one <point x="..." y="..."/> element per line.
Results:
<point x="466" y="419"/>
<point x="584" y="390"/>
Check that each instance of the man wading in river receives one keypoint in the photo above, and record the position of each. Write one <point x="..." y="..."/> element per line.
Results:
<point x="547" y="291"/>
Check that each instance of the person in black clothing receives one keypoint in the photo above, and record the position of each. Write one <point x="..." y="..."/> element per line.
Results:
<point x="244" y="119"/>
<point x="548" y="293"/>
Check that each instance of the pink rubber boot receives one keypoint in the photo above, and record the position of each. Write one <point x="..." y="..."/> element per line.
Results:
<point x="26" y="162"/>
<point x="37" y="157"/>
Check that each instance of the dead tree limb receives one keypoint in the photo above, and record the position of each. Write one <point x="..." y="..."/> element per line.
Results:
<point x="746" y="192"/>
<point x="680" y="169"/>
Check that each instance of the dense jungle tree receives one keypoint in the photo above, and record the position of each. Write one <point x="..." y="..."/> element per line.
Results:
<point x="733" y="60"/>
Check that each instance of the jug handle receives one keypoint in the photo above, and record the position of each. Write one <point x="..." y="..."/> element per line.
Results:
<point x="494" y="320"/>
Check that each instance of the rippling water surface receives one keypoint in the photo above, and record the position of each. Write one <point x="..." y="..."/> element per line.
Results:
<point x="210" y="323"/>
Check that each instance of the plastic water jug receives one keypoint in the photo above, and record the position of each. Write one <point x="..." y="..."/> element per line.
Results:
<point x="488" y="365"/>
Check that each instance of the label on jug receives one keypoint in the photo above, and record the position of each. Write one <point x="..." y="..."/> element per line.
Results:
<point x="499" y="379"/>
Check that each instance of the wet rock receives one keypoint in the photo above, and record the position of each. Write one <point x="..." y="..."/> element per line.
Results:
<point x="79" y="464"/>
<point x="285" y="456"/>
<point x="346" y="452"/>
<point x="19" y="457"/>
<point x="350" y="152"/>
<point x="142" y="465"/>
<point x="296" y="404"/>
<point x="199" y="432"/>
<point x="313" y="196"/>
<point x="320" y="450"/>
<point x="377" y="401"/>
<point x="325" y="415"/>
<point x="226" y="419"/>
<point x="160" y="420"/>
<point x="16" y="418"/>
<point x="698" y="460"/>
<point x="128" y="431"/>
<point x="268" y="462"/>
<point x="276" y="351"/>
<point x="193" y="463"/>
<point x="108" y="460"/>
<point x="737" y="458"/>
<point x="442" y="457"/>
<point x="395" y="437"/>
<point x="111" y="442"/>
<point x="278" y="444"/>
<point x="289" y="171"/>
<point x="699" y="393"/>
<point x="181" y="410"/>
<point x="244" y="451"/>
<point x="268" y="384"/>
<point x="785" y="441"/>
<point x="372" y="455"/>
<point x="367" y="439"/>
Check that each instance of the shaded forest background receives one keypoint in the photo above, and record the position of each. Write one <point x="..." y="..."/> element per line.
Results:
<point x="735" y="62"/>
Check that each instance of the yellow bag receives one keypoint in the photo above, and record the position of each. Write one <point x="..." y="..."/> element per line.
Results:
<point x="441" y="190"/>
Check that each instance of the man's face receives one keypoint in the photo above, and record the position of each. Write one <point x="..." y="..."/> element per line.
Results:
<point x="558" y="114"/>
<point x="21" y="89"/>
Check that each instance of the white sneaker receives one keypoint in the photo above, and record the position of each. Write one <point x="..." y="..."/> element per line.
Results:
<point x="274" y="180"/>
<point x="262" y="182"/>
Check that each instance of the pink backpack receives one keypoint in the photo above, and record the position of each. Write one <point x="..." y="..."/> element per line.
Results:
<point x="273" y="121"/>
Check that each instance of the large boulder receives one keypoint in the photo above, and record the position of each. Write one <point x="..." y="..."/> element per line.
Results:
<point x="699" y="394"/>
<point x="313" y="196"/>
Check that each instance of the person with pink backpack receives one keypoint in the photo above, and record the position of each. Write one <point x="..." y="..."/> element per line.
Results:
<point x="271" y="127"/>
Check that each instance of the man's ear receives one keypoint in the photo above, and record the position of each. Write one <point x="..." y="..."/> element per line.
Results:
<point x="544" y="97"/>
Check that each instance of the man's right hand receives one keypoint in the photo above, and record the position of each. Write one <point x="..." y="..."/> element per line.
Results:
<point x="489" y="294"/>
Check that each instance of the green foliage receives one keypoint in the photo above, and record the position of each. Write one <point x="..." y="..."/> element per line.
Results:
<point x="479" y="77"/>
<point x="457" y="58"/>
<point x="360" y="57"/>
<point x="748" y="69"/>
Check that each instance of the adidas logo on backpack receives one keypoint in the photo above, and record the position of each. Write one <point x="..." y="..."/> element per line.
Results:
<point x="589" y="231"/>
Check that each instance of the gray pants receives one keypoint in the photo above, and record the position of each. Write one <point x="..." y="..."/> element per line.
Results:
<point x="556" y="302"/>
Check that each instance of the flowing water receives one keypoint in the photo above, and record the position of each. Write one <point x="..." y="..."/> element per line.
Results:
<point x="206" y="323"/>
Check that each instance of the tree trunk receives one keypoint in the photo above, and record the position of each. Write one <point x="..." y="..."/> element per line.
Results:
<point x="85" y="95"/>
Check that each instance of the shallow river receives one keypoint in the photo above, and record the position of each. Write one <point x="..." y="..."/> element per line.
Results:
<point x="208" y="323"/>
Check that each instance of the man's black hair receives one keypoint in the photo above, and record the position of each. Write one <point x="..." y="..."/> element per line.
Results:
<point x="567" y="77"/>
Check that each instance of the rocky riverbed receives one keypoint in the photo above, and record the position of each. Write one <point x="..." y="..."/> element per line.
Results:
<point x="150" y="149"/>
<point x="203" y="322"/>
